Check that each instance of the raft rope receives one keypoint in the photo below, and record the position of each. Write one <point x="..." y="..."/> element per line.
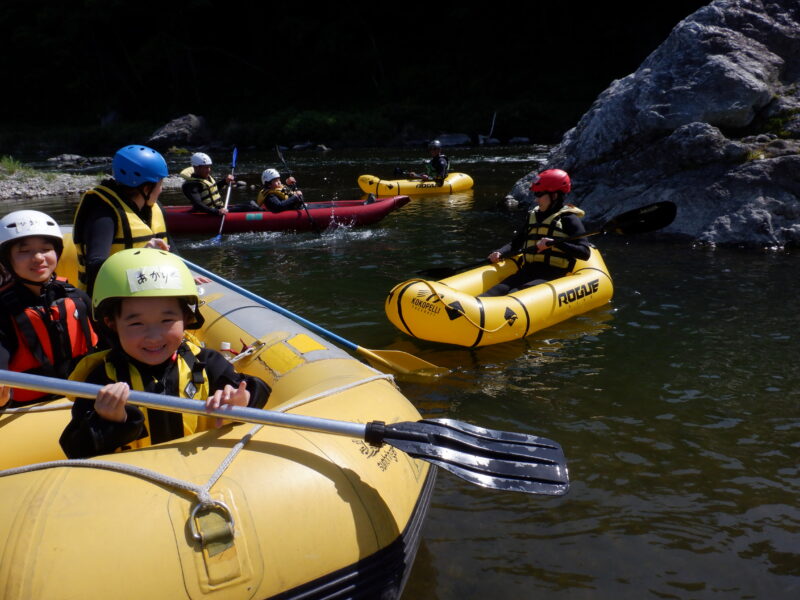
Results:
<point x="463" y="314"/>
<point x="333" y="391"/>
<point x="202" y="492"/>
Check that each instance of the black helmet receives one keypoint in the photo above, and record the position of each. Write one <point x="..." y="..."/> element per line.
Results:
<point x="435" y="144"/>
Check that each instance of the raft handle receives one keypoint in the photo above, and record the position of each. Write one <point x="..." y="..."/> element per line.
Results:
<point x="225" y="532"/>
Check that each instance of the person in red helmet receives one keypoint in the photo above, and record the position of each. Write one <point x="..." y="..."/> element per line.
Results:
<point x="542" y="237"/>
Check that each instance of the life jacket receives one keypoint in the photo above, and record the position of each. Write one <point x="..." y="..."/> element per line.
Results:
<point x="282" y="193"/>
<point x="192" y="382"/>
<point x="550" y="227"/>
<point x="131" y="230"/>
<point x="210" y="195"/>
<point x="433" y="166"/>
<point x="51" y="337"/>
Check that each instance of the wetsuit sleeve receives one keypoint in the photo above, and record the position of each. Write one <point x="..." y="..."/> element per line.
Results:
<point x="221" y="373"/>
<point x="194" y="192"/>
<point x="88" y="434"/>
<point x="100" y="225"/>
<point x="517" y="242"/>
<point x="573" y="226"/>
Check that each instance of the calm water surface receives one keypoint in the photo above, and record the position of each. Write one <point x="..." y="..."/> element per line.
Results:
<point x="677" y="404"/>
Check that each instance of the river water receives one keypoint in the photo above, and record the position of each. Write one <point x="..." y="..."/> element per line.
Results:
<point x="677" y="405"/>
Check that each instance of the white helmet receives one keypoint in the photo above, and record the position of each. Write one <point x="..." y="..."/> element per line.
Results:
<point x="25" y="223"/>
<point x="201" y="159"/>
<point x="269" y="174"/>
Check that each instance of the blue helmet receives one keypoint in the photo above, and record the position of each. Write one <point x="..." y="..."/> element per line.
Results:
<point x="135" y="165"/>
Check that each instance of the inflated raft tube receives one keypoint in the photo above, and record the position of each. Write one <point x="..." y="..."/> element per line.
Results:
<point x="453" y="183"/>
<point x="238" y="512"/>
<point x="449" y="311"/>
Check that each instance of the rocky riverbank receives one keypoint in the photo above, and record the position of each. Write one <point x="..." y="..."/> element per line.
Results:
<point x="28" y="183"/>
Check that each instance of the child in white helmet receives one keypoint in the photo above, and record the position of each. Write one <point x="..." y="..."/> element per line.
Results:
<point x="275" y="196"/>
<point x="45" y="325"/>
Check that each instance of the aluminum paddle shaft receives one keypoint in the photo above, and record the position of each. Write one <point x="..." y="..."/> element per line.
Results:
<point x="494" y="459"/>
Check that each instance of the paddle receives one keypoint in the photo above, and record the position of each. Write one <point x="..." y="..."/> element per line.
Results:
<point x="227" y="196"/>
<point x="640" y="220"/>
<point x="305" y="208"/>
<point x="397" y="360"/>
<point x="486" y="457"/>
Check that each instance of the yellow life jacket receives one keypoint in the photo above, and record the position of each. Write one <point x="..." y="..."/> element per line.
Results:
<point x="210" y="195"/>
<point x="131" y="231"/>
<point x="550" y="227"/>
<point x="282" y="193"/>
<point x="192" y="383"/>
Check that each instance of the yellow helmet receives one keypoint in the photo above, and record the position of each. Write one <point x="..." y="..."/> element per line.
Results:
<point x="145" y="273"/>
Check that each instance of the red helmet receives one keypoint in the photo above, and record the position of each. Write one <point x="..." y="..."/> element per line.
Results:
<point x="552" y="180"/>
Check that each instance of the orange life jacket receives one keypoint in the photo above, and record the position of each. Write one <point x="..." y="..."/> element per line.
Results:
<point x="50" y="339"/>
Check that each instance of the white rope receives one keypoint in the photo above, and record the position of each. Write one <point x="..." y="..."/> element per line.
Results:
<point x="333" y="391"/>
<point x="203" y="492"/>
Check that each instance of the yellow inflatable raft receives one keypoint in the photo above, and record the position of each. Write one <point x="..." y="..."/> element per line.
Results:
<point x="450" y="312"/>
<point x="307" y="514"/>
<point x="454" y="182"/>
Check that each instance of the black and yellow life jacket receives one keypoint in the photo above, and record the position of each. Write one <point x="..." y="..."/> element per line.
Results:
<point x="549" y="227"/>
<point x="131" y="231"/>
<point x="51" y="337"/>
<point x="282" y="193"/>
<point x="160" y="426"/>
<point x="210" y="195"/>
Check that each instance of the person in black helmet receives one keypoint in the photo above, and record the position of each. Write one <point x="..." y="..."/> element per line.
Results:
<point x="436" y="168"/>
<point x="543" y="237"/>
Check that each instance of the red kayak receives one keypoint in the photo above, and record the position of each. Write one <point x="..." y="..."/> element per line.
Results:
<point x="320" y="216"/>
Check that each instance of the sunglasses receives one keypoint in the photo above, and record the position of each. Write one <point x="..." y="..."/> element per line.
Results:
<point x="540" y="194"/>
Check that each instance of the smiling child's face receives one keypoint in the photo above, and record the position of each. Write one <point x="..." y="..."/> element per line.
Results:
<point x="149" y="329"/>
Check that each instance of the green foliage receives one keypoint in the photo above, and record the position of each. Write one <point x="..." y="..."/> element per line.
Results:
<point x="777" y="124"/>
<point x="9" y="166"/>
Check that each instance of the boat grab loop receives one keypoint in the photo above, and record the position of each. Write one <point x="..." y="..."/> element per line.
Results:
<point x="459" y="310"/>
<point x="212" y="533"/>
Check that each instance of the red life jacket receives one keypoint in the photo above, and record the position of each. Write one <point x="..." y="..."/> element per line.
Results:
<point x="50" y="339"/>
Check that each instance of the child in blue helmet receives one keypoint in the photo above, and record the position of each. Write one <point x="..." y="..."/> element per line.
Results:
<point x="122" y="212"/>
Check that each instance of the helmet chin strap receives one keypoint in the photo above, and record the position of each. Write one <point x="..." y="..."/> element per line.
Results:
<point x="145" y="195"/>
<point x="42" y="284"/>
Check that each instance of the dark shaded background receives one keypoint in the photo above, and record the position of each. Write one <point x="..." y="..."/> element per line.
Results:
<point x="343" y="71"/>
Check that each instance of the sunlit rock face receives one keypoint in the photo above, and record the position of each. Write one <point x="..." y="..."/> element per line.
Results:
<point x="710" y="121"/>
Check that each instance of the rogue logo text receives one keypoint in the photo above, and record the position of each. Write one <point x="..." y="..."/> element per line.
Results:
<point x="578" y="292"/>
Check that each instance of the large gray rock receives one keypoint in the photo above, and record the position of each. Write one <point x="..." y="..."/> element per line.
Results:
<point x="188" y="130"/>
<point x="710" y="121"/>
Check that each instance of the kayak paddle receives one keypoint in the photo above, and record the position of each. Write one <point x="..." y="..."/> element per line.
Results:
<point x="218" y="239"/>
<point x="305" y="208"/>
<point x="494" y="459"/>
<point x="640" y="220"/>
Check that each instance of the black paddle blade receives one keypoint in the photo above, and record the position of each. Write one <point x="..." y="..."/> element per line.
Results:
<point x="489" y="458"/>
<point x="644" y="219"/>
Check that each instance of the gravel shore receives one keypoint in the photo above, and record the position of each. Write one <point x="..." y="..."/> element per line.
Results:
<point x="27" y="185"/>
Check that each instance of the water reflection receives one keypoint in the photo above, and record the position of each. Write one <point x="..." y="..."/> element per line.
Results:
<point x="678" y="405"/>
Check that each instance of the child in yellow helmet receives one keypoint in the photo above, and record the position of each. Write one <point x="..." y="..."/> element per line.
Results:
<point x="147" y="298"/>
